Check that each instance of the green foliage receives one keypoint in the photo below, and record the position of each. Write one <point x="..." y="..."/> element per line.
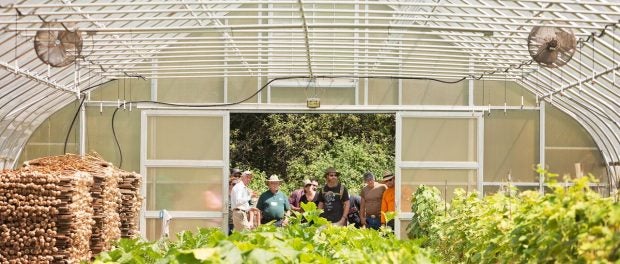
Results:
<point x="568" y="225"/>
<point x="351" y="158"/>
<point x="315" y="241"/>
<point x="285" y="144"/>
<point x="131" y="251"/>
<point x="426" y="207"/>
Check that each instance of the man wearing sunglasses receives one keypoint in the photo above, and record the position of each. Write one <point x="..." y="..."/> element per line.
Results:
<point x="334" y="199"/>
<point x="388" y="202"/>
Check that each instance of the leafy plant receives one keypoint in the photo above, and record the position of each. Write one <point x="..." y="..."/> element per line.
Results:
<point x="570" y="224"/>
<point x="311" y="241"/>
<point x="425" y="206"/>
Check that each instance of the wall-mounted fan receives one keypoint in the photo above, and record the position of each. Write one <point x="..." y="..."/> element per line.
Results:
<point x="56" y="47"/>
<point x="551" y="46"/>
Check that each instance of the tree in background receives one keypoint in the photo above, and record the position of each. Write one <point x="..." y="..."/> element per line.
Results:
<point x="351" y="157"/>
<point x="298" y="146"/>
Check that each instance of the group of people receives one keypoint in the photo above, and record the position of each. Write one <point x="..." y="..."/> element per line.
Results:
<point x="248" y="210"/>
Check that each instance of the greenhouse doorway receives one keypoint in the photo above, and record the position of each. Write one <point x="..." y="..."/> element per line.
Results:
<point x="186" y="157"/>
<point x="442" y="149"/>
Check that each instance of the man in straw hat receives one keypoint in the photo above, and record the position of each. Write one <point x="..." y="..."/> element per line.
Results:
<point x="388" y="202"/>
<point x="273" y="204"/>
<point x="334" y="198"/>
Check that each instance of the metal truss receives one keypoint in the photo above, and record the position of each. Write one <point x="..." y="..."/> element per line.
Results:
<point x="447" y="39"/>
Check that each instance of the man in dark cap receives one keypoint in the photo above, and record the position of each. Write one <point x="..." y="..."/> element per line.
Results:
<point x="235" y="173"/>
<point x="334" y="198"/>
<point x="370" y="204"/>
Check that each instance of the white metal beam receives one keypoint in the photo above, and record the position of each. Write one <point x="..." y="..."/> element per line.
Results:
<point x="36" y="77"/>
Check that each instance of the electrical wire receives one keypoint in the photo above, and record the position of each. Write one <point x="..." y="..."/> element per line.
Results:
<point x="83" y="94"/>
<point x="96" y="85"/>
<point x="116" y="142"/>
<point x="512" y="66"/>
<point x="64" y="150"/>
<point x="122" y="105"/>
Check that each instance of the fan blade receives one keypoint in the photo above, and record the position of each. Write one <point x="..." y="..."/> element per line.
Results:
<point x="566" y="41"/>
<point x="57" y="57"/>
<point x="547" y="57"/>
<point x="551" y="46"/>
<point x="57" y="48"/>
<point x="45" y="39"/>
<point x="544" y="34"/>
<point x="72" y="43"/>
<point x="46" y="42"/>
<point x="542" y="51"/>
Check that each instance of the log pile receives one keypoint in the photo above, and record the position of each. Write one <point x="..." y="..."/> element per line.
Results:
<point x="45" y="216"/>
<point x="110" y="223"/>
<point x="105" y="194"/>
<point x="65" y="209"/>
<point x="129" y="209"/>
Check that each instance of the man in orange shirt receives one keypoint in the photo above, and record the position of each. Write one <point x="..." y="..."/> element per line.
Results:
<point x="388" y="202"/>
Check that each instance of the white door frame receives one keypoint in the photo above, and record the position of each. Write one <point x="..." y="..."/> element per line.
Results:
<point x="145" y="163"/>
<point x="476" y="165"/>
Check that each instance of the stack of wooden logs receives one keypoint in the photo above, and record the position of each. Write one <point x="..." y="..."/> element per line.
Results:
<point x="129" y="209"/>
<point x="106" y="202"/>
<point x="65" y="209"/>
<point x="46" y="216"/>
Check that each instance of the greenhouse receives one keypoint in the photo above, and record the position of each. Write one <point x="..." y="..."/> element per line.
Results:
<point x="157" y="95"/>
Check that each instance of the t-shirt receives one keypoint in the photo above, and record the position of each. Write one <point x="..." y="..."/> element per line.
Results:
<point x="388" y="202"/>
<point x="304" y="199"/>
<point x="372" y="198"/>
<point x="240" y="197"/>
<point x="333" y="202"/>
<point x="272" y="206"/>
<point x="295" y="197"/>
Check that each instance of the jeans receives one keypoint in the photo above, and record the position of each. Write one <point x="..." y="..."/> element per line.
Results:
<point x="373" y="223"/>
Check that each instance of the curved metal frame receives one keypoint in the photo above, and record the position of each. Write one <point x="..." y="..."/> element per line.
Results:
<point x="265" y="39"/>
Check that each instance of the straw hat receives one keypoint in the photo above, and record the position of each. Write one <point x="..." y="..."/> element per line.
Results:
<point x="388" y="175"/>
<point x="273" y="178"/>
<point x="331" y="170"/>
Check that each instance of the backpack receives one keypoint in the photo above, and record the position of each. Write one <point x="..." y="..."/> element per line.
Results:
<point x="354" y="215"/>
<point x="322" y="192"/>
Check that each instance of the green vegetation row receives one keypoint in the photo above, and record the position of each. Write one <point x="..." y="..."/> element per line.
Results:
<point x="318" y="242"/>
<point x="568" y="225"/>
